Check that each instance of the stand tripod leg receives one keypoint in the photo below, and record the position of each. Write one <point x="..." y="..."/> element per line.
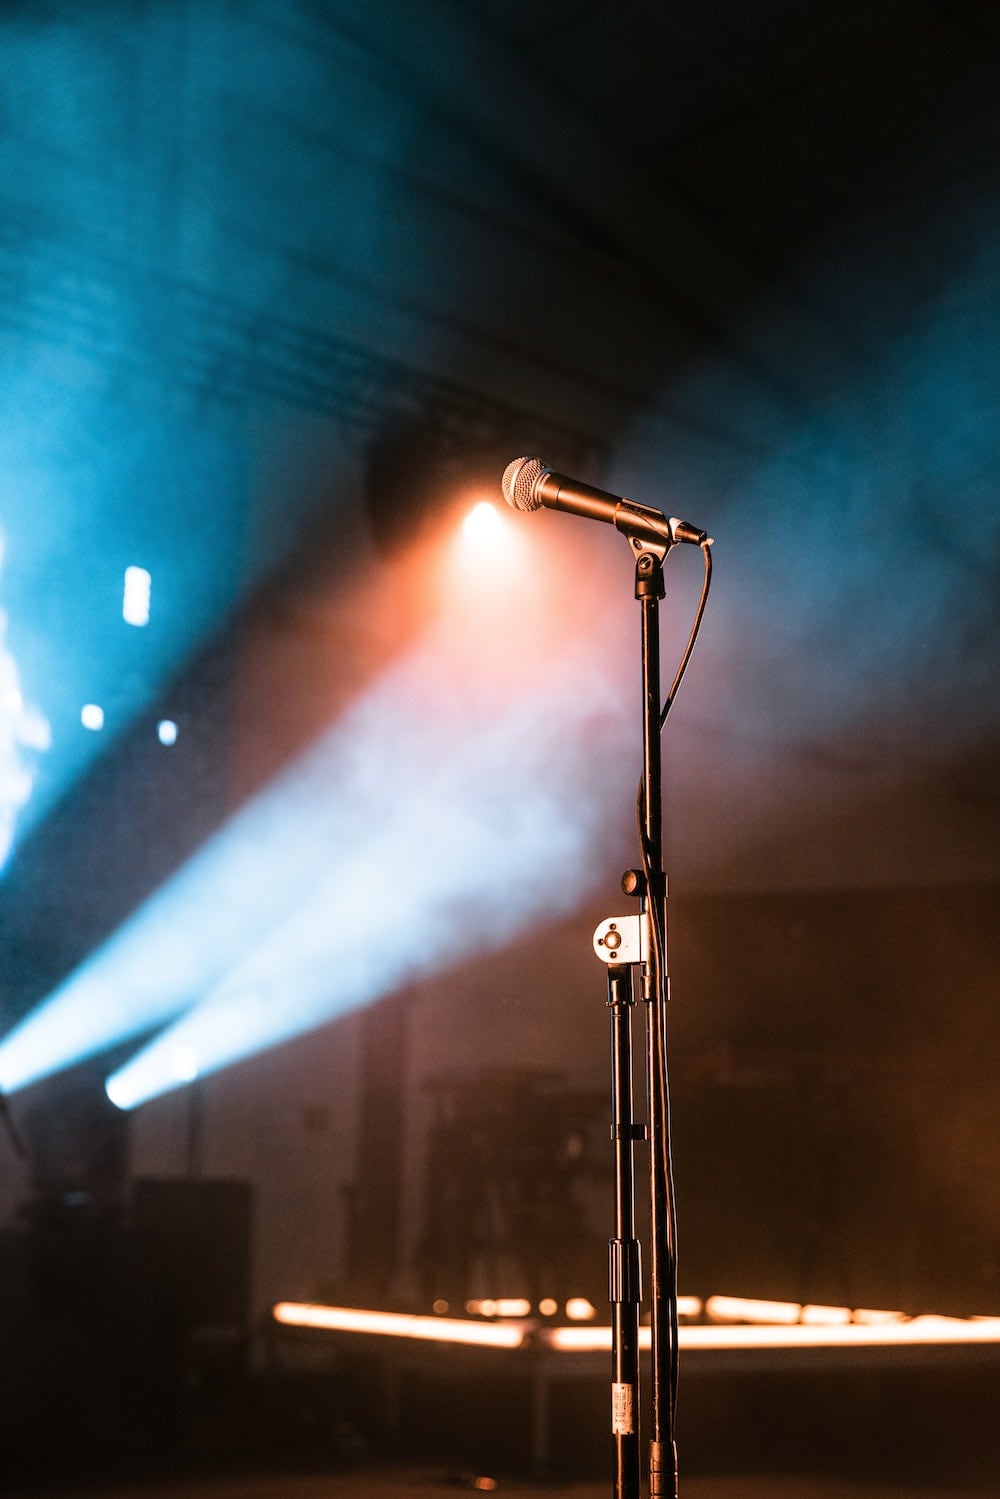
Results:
<point x="624" y="1255"/>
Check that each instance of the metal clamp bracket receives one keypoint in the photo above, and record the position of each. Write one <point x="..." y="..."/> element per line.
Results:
<point x="622" y="940"/>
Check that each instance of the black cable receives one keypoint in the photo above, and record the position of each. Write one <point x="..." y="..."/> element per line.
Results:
<point x="706" y="548"/>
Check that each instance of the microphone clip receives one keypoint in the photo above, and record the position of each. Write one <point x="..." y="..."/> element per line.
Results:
<point x="649" y="583"/>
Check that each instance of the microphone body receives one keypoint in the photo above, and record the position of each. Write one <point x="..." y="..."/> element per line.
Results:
<point x="527" y="484"/>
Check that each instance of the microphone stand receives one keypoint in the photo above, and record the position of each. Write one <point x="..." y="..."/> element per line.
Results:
<point x="624" y="943"/>
<point x="625" y="1266"/>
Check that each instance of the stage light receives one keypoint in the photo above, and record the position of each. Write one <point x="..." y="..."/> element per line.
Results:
<point x="483" y="525"/>
<point x="166" y="731"/>
<point x="136" y="596"/>
<point x="492" y="560"/>
<point x="579" y="1309"/>
<point x="92" y="717"/>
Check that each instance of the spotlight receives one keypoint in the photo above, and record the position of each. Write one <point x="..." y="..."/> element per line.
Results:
<point x="92" y="717"/>
<point x="166" y="731"/>
<point x="483" y="524"/>
<point x="492" y="577"/>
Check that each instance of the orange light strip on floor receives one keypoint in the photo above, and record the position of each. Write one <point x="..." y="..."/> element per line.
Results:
<point x="399" y="1325"/>
<point x="918" y="1330"/>
<point x="818" y="1328"/>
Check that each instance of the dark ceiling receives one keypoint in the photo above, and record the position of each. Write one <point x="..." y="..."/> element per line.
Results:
<point x="698" y="138"/>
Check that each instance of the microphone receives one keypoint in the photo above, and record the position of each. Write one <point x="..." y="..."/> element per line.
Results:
<point x="527" y="484"/>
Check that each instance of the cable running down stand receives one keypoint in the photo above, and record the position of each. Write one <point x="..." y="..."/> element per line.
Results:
<point x="630" y="944"/>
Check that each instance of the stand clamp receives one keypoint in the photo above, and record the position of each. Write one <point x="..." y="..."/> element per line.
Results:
<point x="622" y="940"/>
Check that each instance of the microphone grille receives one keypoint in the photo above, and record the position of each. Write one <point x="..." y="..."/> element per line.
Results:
<point x="518" y="483"/>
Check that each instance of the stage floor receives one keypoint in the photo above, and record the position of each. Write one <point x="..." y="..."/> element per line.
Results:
<point x="408" y="1483"/>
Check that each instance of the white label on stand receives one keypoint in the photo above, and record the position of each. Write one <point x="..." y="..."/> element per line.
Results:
<point x="622" y="1410"/>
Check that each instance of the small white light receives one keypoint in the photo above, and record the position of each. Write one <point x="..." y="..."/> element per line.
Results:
<point x="166" y="731"/>
<point x="135" y="600"/>
<point x="92" y="716"/>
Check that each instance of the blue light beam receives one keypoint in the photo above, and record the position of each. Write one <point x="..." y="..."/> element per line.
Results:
<point x="468" y="819"/>
<point x="458" y="864"/>
<point x="452" y="805"/>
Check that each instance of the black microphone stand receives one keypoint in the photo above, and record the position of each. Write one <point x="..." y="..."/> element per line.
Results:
<point x="625" y="943"/>
<point x="625" y="1267"/>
